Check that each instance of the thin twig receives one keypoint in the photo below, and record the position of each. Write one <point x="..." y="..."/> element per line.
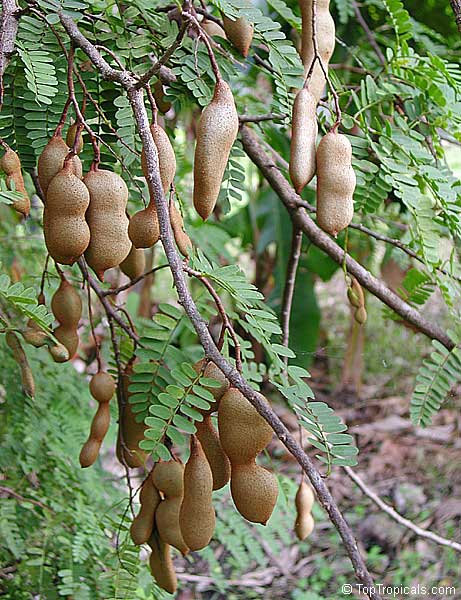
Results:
<point x="132" y="282"/>
<point x="292" y="268"/>
<point x="13" y="494"/>
<point x="424" y="533"/>
<point x="370" y="35"/>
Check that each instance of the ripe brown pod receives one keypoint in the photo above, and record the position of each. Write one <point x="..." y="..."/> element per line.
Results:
<point x="59" y="353"/>
<point x="325" y="35"/>
<point x="166" y="157"/>
<point x="304" y="501"/>
<point x="159" y="94"/>
<point x="212" y="28"/>
<point x="304" y="131"/>
<point x="216" y="133"/>
<point x="143" y="524"/>
<point x="335" y="183"/>
<point x="51" y="162"/>
<point x="144" y="228"/>
<point x="134" y="264"/>
<point x="197" y="516"/>
<point x="99" y="427"/>
<point x="27" y="378"/>
<point x="161" y="565"/>
<point x="70" y="138"/>
<point x="254" y="491"/>
<point x="102" y="386"/>
<point x="109" y="244"/>
<point x="182" y="240"/>
<point x="240" y="33"/>
<point x="66" y="305"/>
<point x="66" y="232"/>
<point x="242" y="430"/>
<point x="212" y="372"/>
<point x="217" y="458"/>
<point x="68" y="338"/>
<point x="11" y="165"/>
<point x="168" y="478"/>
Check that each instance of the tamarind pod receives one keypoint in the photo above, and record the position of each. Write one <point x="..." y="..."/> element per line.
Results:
<point x="217" y="458"/>
<point x="325" y="34"/>
<point x="303" y="138"/>
<point x="360" y="315"/>
<point x="166" y="157"/>
<point x="66" y="305"/>
<point x="355" y="294"/>
<point x="70" y="138"/>
<point x="168" y="478"/>
<point x="144" y="228"/>
<point x="304" y="501"/>
<point x="197" y="516"/>
<point x="182" y="240"/>
<point x="240" y="33"/>
<point x="216" y="133"/>
<point x="66" y="232"/>
<point x="68" y="337"/>
<point x="27" y="378"/>
<point x="143" y="523"/>
<point x="59" y="353"/>
<point x="167" y="523"/>
<point x="212" y="372"/>
<point x="242" y="430"/>
<point x="130" y="432"/>
<point x="335" y="183"/>
<point x="35" y="337"/>
<point x="161" y="564"/>
<point x="159" y="95"/>
<point x="212" y="28"/>
<point x="254" y="491"/>
<point x="10" y="163"/>
<point x="135" y="263"/>
<point x="89" y="452"/>
<point x="51" y="162"/>
<point x="102" y="386"/>
<point x="109" y="242"/>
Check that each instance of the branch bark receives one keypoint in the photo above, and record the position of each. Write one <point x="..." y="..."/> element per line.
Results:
<point x="319" y="238"/>
<point x="8" y="31"/>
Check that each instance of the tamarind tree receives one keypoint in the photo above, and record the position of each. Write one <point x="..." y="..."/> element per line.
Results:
<point x="217" y="158"/>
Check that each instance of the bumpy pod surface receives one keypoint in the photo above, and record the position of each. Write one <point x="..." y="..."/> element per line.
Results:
<point x="254" y="491"/>
<point x="304" y="501"/>
<point x="239" y="32"/>
<point x="166" y="157"/>
<point x="130" y="432"/>
<point x="325" y="34"/>
<point x="161" y="564"/>
<point x="242" y="430"/>
<point x="143" y="524"/>
<point x="134" y="264"/>
<point x="168" y="478"/>
<point x="70" y="138"/>
<point x="144" y="228"/>
<point x="182" y="240"/>
<point x="51" y="162"/>
<point x="197" y="516"/>
<point x="102" y="386"/>
<point x="212" y="372"/>
<point x="99" y="428"/>
<point x="213" y="28"/>
<point x="109" y="244"/>
<point x="27" y="378"/>
<point x="335" y="183"/>
<point x="217" y="458"/>
<point x="11" y="165"/>
<point x="66" y="232"/>
<point x="66" y="305"/>
<point x="216" y="132"/>
<point x="304" y="131"/>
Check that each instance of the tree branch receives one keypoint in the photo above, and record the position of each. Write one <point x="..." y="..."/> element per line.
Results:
<point x="292" y="268"/>
<point x="370" y="36"/>
<point x="456" y="6"/>
<point x="323" y="241"/>
<point x="398" y="517"/>
<point x="8" y="31"/>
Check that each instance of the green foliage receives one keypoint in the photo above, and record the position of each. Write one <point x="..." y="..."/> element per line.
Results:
<point x="23" y="300"/>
